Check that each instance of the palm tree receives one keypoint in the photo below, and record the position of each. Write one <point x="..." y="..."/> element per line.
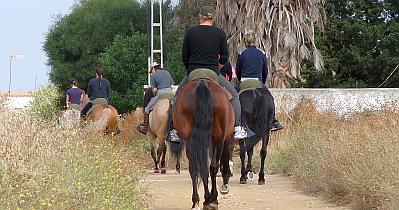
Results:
<point x="285" y="31"/>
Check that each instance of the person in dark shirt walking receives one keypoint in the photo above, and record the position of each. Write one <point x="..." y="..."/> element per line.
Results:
<point x="252" y="64"/>
<point x="161" y="82"/>
<point x="98" y="87"/>
<point x="74" y="95"/>
<point x="205" y="46"/>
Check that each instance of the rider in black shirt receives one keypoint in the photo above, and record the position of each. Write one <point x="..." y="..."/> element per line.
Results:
<point x="205" y="46"/>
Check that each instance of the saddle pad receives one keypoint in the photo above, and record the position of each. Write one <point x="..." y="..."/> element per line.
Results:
<point x="250" y="84"/>
<point x="203" y="73"/>
<point x="167" y="95"/>
<point x="100" y="101"/>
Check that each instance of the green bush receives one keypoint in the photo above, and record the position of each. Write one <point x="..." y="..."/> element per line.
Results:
<point x="46" y="103"/>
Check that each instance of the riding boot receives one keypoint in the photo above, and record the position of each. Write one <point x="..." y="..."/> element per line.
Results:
<point x="144" y="126"/>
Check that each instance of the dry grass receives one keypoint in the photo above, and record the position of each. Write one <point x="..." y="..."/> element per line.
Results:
<point x="353" y="160"/>
<point x="43" y="165"/>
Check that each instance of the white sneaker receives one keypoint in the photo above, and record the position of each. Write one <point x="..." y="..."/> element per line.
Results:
<point x="240" y="132"/>
<point x="173" y="136"/>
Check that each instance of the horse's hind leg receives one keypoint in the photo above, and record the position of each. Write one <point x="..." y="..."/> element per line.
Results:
<point x="263" y="153"/>
<point x="211" y="199"/>
<point x="153" y="146"/>
<point x="243" y="178"/>
<point x="250" y="174"/>
<point x="178" y="165"/>
<point x="226" y="171"/>
<point x="162" y="154"/>
<point x="158" y="157"/>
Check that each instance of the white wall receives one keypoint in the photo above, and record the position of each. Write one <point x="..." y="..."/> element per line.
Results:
<point x="340" y="101"/>
<point x="18" y="102"/>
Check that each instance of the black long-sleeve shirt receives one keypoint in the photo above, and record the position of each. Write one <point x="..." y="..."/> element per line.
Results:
<point x="202" y="46"/>
<point x="98" y="88"/>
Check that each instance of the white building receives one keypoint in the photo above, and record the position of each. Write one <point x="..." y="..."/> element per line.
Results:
<point x="17" y="99"/>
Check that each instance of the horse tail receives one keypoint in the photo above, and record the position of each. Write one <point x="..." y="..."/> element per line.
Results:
<point x="200" y="143"/>
<point x="261" y="117"/>
<point x="175" y="147"/>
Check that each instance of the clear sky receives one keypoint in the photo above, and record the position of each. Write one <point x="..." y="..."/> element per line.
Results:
<point x="24" y="24"/>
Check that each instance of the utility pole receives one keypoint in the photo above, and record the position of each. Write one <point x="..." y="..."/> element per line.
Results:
<point x="13" y="57"/>
<point x="155" y="25"/>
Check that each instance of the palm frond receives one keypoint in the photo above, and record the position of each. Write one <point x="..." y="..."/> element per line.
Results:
<point x="285" y="28"/>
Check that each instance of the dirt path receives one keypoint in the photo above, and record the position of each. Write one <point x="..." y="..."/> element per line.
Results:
<point x="170" y="191"/>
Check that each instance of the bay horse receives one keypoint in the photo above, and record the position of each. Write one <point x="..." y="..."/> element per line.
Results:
<point x="202" y="116"/>
<point x="257" y="108"/>
<point x="158" y="128"/>
<point x="103" y="117"/>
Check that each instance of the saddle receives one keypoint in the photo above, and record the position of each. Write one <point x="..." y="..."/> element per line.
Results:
<point x="203" y="73"/>
<point x="206" y="74"/>
<point x="167" y="95"/>
<point x="98" y="102"/>
<point x="74" y="107"/>
<point x="250" y="84"/>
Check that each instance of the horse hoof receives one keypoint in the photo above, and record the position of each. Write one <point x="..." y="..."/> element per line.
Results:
<point x="177" y="173"/>
<point x="243" y="181"/>
<point x="156" y="171"/>
<point x="211" y="206"/>
<point x="163" y="170"/>
<point x="224" y="189"/>
<point x="196" y="207"/>
<point x="250" y="175"/>
<point x="261" y="182"/>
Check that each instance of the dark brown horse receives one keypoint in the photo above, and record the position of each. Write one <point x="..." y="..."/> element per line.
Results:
<point x="202" y="116"/>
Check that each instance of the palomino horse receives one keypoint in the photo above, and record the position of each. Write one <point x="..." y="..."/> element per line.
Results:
<point x="157" y="130"/>
<point x="103" y="117"/>
<point x="257" y="107"/>
<point x="202" y="117"/>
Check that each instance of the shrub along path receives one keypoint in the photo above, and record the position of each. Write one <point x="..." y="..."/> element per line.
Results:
<point x="170" y="191"/>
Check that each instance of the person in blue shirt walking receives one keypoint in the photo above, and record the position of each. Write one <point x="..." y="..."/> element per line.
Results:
<point x="74" y="95"/>
<point x="252" y="64"/>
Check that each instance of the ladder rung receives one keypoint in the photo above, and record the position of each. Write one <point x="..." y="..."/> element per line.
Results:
<point x="156" y="24"/>
<point x="156" y="51"/>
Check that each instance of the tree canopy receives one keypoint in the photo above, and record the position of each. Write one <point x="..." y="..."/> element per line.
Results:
<point x="359" y="45"/>
<point x="75" y="41"/>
